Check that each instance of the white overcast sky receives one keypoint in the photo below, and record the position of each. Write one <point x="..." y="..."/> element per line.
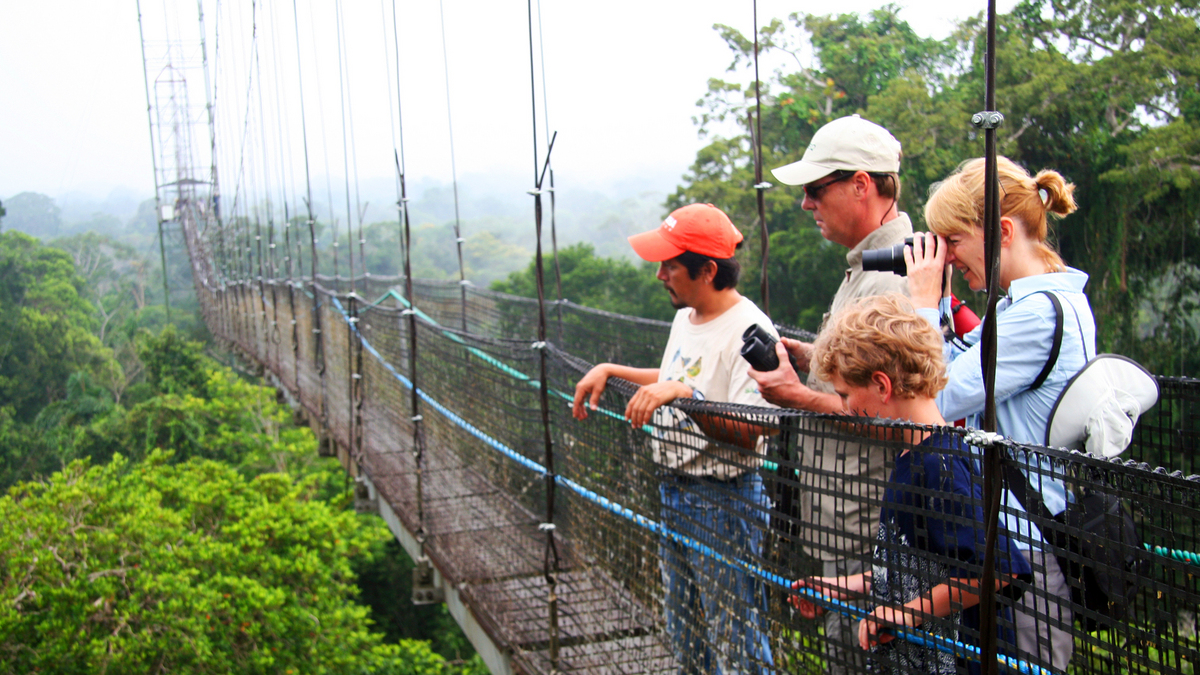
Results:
<point x="622" y="80"/>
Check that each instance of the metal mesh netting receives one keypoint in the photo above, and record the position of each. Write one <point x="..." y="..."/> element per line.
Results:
<point x="658" y="572"/>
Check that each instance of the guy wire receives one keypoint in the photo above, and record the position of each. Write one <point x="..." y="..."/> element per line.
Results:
<point x="553" y="224"/>
<point x="759" y="187"/>
<point x="462" y="275"/>
<point x="343" y="75"/>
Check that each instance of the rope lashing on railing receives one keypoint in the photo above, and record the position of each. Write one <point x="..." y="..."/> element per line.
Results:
<point x="914" y="636"/>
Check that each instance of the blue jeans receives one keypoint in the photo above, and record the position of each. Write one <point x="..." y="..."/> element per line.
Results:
<point x="715" y="612"/>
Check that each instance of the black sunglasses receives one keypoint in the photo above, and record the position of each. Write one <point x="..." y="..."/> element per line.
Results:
<point x="813" y="192"/>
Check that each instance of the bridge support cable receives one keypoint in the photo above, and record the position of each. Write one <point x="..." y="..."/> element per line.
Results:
<point x="458" y="237"/>
<point x="347" y="142"/>
<point x="158" y="207"/>
<point x="424" y="566"/>
<point x="993" y="481"/>
<point x="311" y="221"/>
<point x="291" y="288"/>
<point x="759" y="185"/>
<point x="553" y="219"/>
<point x="550" y="561"/>
<point x="415" y="409"/>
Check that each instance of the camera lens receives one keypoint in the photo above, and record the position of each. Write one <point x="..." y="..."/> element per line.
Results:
<point x="885" y="260"/>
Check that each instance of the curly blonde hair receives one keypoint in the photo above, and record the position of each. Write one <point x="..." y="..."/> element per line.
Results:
<point x="882" y="334"/>
<point x="955" y="205"/>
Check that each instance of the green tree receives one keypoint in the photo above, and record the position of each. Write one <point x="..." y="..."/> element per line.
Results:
<point x="47" y="332"/>
<point x="188" y="568"/>
<point x="611" y="284"/>
<point x="34" y="214"/>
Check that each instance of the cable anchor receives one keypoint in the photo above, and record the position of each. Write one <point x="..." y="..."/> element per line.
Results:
<point x="987" y="119"/>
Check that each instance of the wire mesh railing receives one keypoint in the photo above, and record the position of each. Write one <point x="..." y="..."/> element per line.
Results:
<point x="666" y="572"/>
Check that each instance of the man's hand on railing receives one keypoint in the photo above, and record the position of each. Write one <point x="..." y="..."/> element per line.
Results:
<point x="651" y="397"/>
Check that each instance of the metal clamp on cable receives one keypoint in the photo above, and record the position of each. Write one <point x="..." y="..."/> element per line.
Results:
<point x="465" y="282"/>
<point x="546" y="527"/>
<point x="416" y="418"/>
<point x="407" y="312"/>
<point x="356" y="376"/>
<point x="540" y="344"/>
<point x="535" y="192"/>
<point x="460" y="240"/>
<point x="983" y="439"/>
<point x="352" y="319"/>
<point x="988" y="119"/>
<point x="763" y="186"/>
<point x="400" y="202"/>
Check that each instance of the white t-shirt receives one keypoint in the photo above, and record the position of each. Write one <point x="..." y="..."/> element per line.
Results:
<point x="707" y="357"/>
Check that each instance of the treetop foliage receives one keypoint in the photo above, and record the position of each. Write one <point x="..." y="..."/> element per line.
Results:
<point x="611" y="284"/>
<point x="47" y="332"/>
<point x="1107" y="93"/>
<point x="186" y="568"/>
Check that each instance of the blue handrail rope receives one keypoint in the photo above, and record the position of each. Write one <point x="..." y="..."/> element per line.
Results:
<point x="914" y="636"/>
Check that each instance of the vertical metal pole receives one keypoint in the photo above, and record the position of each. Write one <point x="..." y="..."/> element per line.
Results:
<point x="993" y="485"/>
<point x="550" y="560"/>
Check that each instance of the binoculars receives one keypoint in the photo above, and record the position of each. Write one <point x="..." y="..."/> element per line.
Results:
<point x="758" y="348"/>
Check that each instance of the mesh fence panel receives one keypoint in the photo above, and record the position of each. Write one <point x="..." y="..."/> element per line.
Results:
<point x="653" y="571"/>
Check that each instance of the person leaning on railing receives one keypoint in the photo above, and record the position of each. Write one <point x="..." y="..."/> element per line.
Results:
<point x="851" y="184"/>
<point x="1025" y="327"/>
<point x="711" y="492"/>
<point x="886" y="362"/>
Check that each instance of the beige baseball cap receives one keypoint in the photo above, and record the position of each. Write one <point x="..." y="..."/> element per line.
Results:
<point x="845" y="144"/>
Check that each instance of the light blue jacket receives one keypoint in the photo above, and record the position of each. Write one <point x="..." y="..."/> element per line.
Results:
<point x="1025" y="333"/>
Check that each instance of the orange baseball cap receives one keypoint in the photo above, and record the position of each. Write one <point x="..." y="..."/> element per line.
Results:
<point x="699" y="228"/>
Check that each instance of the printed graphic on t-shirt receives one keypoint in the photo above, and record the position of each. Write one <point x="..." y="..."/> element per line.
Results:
<point x="682" y="366"/>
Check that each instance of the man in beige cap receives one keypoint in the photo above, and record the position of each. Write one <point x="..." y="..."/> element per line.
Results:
<point x="707" y="465"/>
<point x="851" y="183"/>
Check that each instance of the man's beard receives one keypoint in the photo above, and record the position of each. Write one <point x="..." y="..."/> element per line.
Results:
<point x="676" y="303"/>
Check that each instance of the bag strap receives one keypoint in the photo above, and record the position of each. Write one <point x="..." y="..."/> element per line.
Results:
<point x="1056" y="345"/>
<point x="1019" y="486"/>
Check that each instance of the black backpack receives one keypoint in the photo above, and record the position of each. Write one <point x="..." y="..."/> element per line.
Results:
<point x="1101" y="552"/>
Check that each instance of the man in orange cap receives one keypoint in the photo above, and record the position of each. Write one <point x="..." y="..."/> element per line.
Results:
<point x="710" y="487"/>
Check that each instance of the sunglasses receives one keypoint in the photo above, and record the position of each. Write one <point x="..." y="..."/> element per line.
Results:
<point x="813" y="191"/>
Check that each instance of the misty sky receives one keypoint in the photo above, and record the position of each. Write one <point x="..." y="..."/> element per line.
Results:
<point x="622" y="80"/>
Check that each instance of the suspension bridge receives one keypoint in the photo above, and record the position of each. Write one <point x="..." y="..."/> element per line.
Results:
<point x="448" y="404"/>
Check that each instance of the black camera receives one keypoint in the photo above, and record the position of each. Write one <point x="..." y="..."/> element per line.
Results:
<point x="758" y="348"/>
<point x="888" y="259"/>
